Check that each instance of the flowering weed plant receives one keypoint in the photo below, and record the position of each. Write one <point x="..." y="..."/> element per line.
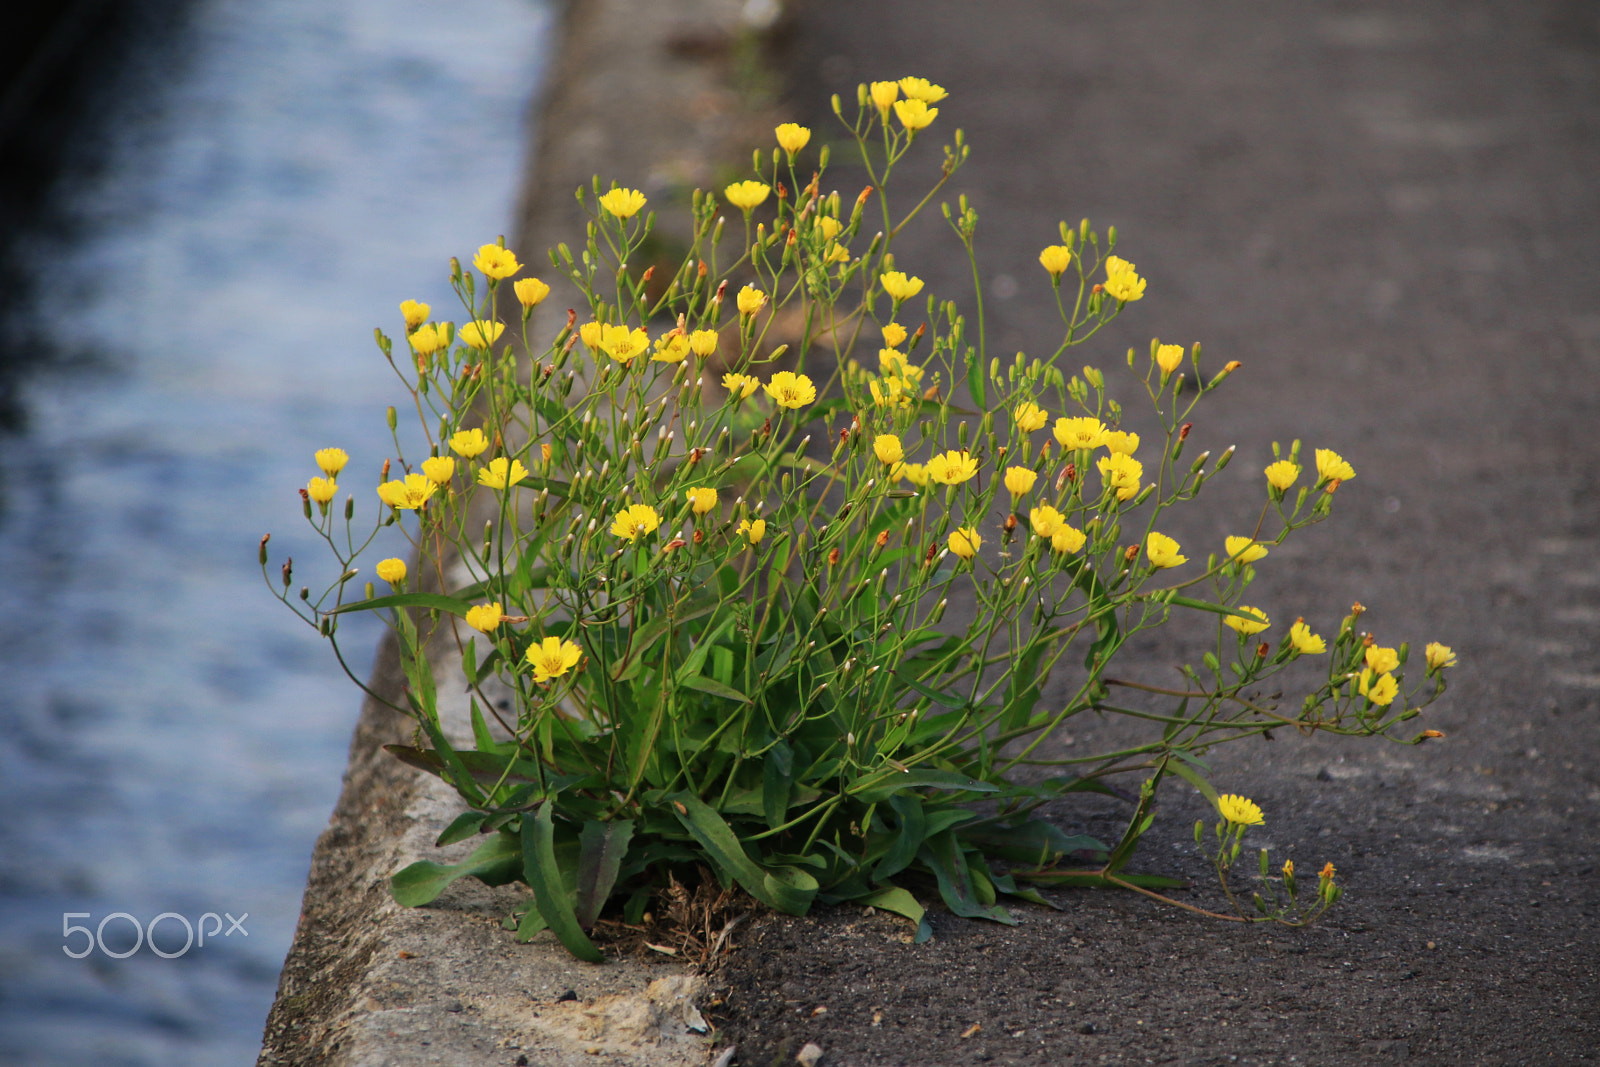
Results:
<point x="787" y="611"/>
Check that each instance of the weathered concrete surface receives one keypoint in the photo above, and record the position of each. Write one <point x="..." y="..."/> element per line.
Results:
<point x="650" y="95"/>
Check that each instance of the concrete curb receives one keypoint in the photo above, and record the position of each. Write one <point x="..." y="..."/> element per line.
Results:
<point x="644" y="94"/>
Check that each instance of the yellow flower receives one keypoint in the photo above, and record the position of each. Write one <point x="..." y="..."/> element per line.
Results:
<point x="1019" y="480"/>
<point x="892" y="364"/>
<point x="1123" y="441"/>
<point x="1162" y="551"/>
<point x="884" y="95"/>
<point x="590" y="333"/>
<point x="1380" y="690"/>
<point x="792" y="137"/>
<point x="790" y="390"/>
<point x="1122" y="473"/>
<point x="623" y="203"/>
<point x="1056" y="259"/>
<point x="915" y="473"/>
<point x="898" y="286"/>
<point x="703" y="342"/>
<point x="1254" y="625"/>
<point x="891" y="393"/>
<point x="1085" y="432"/>
<point x="496" y="262"/>
<point x="408" y="493"/>
<point x="1122" y="283"/>
<point x="484" y="617"/>
<point x="530" y="291"/>
<point x="1282" y="474"/>
<point x="1382" y="659"/>
<point x="894" y="335"/>
<point x="425" y="340"/>
<point x="672" y="347"/>
<point x="622" y="343"/>
<point x="702" y="498"/>
<point x="887" y="447"/>
<point x="965" y="542"/>
<point x="1244" y="550"/>
<point x="1169" y="357"/>
<point x="922" y="89"/>
<point x="1439" y="656"/>
<point x="1239" y="811"/>
<point x="1045" y="520"/>
<point x="740" y="385"/>
<point x="1332" y="467"/>
<point x="502" y="473"/>
<point x="392" y="571"/>
<point x="751" y="300"/>
<point x="469" y="443"/>
<point x="914" y="114"/>
<point x="752" y="531"/>
<point x="438" y="469"/>
<point x="746" y="195"/>
<point x="1028" y="417"/>
<point x="481" y="334"/>
<point x="321" y="490"/>
<point x="1067" y="538"/>
<point x="415" y="312"/>
<point x="331" y="461"/>
<point x="952" y="468"/>
<point x="1327" y="873"/>
<point x="634" y="521"/>
<point x="552" y="657"/>
<point x="830" y="227"/>
<point x="1306" y="642"/>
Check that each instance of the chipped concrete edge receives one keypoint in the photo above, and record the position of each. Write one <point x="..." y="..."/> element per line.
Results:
<point x="643" y="94"/>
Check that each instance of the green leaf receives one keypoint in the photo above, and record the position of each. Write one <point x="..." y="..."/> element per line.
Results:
<point x="462" y="827"/>
<point x="601" y="847"/>
<point x="913" y="829"/>
<point x="646" y="636"/>
<point x="1022" y="693"/>
<point x="944" y="857"/>
<point x="494" y="862"/>
<point x="480" y="729"/>
<point x="531" y="923"/>
<point x="1181" y="768"/>
<point x="407" y="600"/>
<point x="895" y="899"/>
<point x="1215" y="609"/>
<point x="949" y="700"/>
<point x="882" y="784"/>
<point x="544" y="875"/>
<point x="787" y="891"/>
<point x="1035" y="841"/>
<point x="777" y="782"/>
<point x="1096" y="879"/>
<point x="710" y="685"/>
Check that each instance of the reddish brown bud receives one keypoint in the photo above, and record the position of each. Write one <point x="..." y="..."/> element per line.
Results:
<point x="1231" y="366"/>
<point x="288" y="571"/>
<point x="304" y="496"/>
<point x="702" y="271"/>
<point x="1432" y="733"/>
<point x="1098" y="288"/>
<point x="862" y="199"/>
<point x="1262" y="649"/>
<point x="833" y="557"/>
<point x="1130" y="553"/>
<point x="649" y="272"/>
<point x="1011" y="523"/>
<point x="882" y="539"/>
<point x="933" y="550"/>
<point x="385" y="475"/>
<point x="1333" y="487"/>
<point x="1356" y="609"/>
<point x="721" y="289"/>
<point x="699" y="537"/>
<point x="783" y="191"/>
<point x="1183" y="431"/>
<point x="572" y="318"/>
<point x="676" y="542"/>
<point x="1367" y="641"/>
<point x="695" y="455"/>
<point x="932" y="393"/>
<point x="793" y="237"/>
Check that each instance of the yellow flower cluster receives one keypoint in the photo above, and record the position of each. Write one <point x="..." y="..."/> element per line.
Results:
<point x="1122" y="283"/>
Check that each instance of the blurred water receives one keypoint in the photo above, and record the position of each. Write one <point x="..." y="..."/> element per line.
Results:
<point x="171" y="739"/>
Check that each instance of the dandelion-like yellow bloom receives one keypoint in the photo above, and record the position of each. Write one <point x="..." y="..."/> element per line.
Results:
<point x="591" y="332"/>
<point x="1067" y="539"/>
<point x="894" y="335"/>
<point x="1056" y="259"/>
<point x="887" y="447"/>
<point x="1028" y="417"/>
<point x="321" y="490"/>
<point x="484" y="617"/>
<point x="425" y="340"/>
<point x="1122" y="282"/>
<point x="1253" y="625"/>
<point x="1332" y="467"/>
<point x="502" y="473"/>
<point x="740" y="385"/>
<point x="1084" y="432"/>
<point x="914" y="114"/>
<point x="481" y="335"/>
<point x="552" y="657"/>
<point x="392" y="571"/>
<point x="1282" y="474"/>
<point x="623" y="203"/>
<point x="1124" y="441"/>
<point x="892" y="392"/>
<point x="438" y="469"/>
<point x="790" y="390"/>
<point x="1169" y="357"/>
<point x="892" y="363"/>
<point x="1381" y="689"/>
<point x="884" y="95"/>
<point x="703" y="342"/>
<point x="672" y="347"/>
<point x="792" y="137"/>
<point x="1045" y="520"/>
<point x="752" y="531"/>
<point x="496" y="262"/>
<point x="746" y="195"/>
<point x="1162" y="551"/>
<point x="415" y="313"/>
<point x="922" y="89"/>
<point x="1243" y="549"/>
<point x="622" y="343"/>
<point x="899" y="286"/>
<point x="915" y="473"/>
<point x="952" y="467"/>
<point x="1382" y="659"/>
<point x="751" y="300"/>
<point x="635" y="521"/>
<point x="1439" y="656"/>
<point x="1019" y="480"/>
<point x="1239" y="810"/>
<point x="1121" y="473"/>
<point x="965" y="542"/>
<point x="469" y="443"/>
<point x="530" y="291"/>
<point x="830" y="227"/>
<point x="408" y="493"/>
<point x="1305" y="642"/>
<point x="702" y="498"/>
<point x="331" y="461"/>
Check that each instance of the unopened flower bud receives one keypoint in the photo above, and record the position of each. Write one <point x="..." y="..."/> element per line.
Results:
<point x="264" y="539"/>
<point x="1262" y="650"/>
<point x="833" y="557"/>
<point x="1183" y="431"/>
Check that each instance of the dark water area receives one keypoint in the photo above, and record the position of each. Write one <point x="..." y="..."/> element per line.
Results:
<point x="207" y="207"/>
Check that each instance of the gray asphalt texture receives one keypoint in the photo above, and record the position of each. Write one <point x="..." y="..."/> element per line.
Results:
<point x="1390" y="213"/>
